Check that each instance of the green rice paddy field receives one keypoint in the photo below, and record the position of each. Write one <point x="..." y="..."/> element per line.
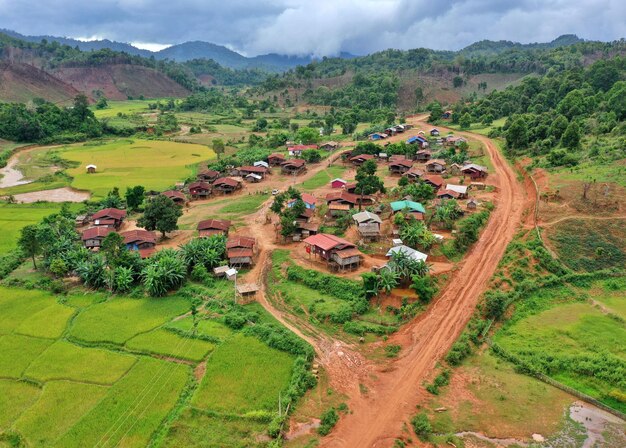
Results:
<point x="157" y="165"/>
<point x="92" y="370"/>
<point x="13" y="217"/>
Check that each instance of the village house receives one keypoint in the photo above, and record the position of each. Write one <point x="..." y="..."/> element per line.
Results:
<point x="297" y="150"/>
<point x="434" y="180"/>
<point x="92" y="238"/>
<point x="350" y="187"/>
<point x="400" y="166"/>
<point x="276" y="159"/>
<point x="474" y="171"/>
<point x="454" y="169"/>
<point x="460" y="189"/>
<point x="305" y="229"/>
<point x="142" y="241"/>
<point x="423" y="156"/>
<point x="226" y="185"/>
<point x="254" y="178"/>
<point x="208" y="175"/>
<point x="309" y="201"/>
<point x="447" y="194"/>
<point x="408" y="251"/>
<point x="455" y="141"/>
<point x="329" y="146"/>
<point x="91" y="169"/>
<point x="177" y="196"/>
<point x="477" y="186"/>
<point x="210" y="227"/>
<point x="409" y="208"/>
<point x="263" y="164"/>
<point x="240" y="251"/>
<point x="446" y="115"/>
<point x="368" y="224"/>
<point x="414" y="174"/>
<point x="418" y="140"/>
<point x="472" y="204"/>
<point x="436" y="166"/>
<point x="377" y="136"/>
<point x="293" y="167"/>
<point x="243" y="171"/>
<point x="109" y="217"/>
<point x="338" y="253"/>
<point x="338" y="183"/>
<point x="199" y="189"/>
<point x="434" y="132"/>
<point x="391" y="131"/>
<point x="350" y="199"/>
<point x="361" y="159"/>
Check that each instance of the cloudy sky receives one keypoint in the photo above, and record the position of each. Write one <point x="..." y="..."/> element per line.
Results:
<point x="320" y="27"/>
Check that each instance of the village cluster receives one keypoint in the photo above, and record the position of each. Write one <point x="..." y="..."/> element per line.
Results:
<point x="373" y="217"/>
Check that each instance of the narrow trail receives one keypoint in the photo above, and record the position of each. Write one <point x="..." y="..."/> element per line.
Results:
<point x="376" y="420"/>
<point x="585" y="217"/>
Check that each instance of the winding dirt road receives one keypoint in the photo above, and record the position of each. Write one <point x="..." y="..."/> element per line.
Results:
<point x="377" y="418"/>
<point x="383" y="398"/>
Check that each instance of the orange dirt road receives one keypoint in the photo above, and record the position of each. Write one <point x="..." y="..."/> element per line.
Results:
<point x="377" y="417"/>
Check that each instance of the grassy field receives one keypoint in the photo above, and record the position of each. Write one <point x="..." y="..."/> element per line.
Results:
<point x="588" y="244"/>
<point x="87" y="370"/>
<point x="323" y="178"/>
<point x="157" y="165"/>
<point x="222" y="209"/>
<point x="262" y="373"/>
<point x="119" y="319"/>
<point x="123" y="107"/>
<point x="561" y="332"/>
<point x="13" y="217"/>
<point x="487" y="396"/>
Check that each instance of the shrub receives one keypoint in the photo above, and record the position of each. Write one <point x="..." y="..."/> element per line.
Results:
<point x="328" y="421"/>
<point x="421" y="426"/>
<point x="459" y="351"/>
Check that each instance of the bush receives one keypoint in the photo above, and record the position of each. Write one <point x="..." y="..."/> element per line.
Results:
<point x="459" y="351"/>
<point x="421" y="426"/>
<point x="328" y="421"/>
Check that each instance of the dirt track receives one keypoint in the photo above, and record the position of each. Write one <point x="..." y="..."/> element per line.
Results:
<point x="376" y="420"/>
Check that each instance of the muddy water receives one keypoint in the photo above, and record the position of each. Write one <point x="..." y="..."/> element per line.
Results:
<point x="11" y="176"/>
<point x="64" y="194"/>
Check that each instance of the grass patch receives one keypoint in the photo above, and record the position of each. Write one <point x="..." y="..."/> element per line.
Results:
<point x="261" y="373"/>
<point x="18" y="305"/>
<point x="570" y="341"/>
<point x="133" y="408"/>
<point x="156" y="165"/>
<point x="69" y="400"/>
<point x="497" y="401"/>
<point x="197" y="428"/>
<point x="590" y="245"/>
<point x="323" y="178"/>
<point x="13" y="217"/>
<point x="120" y="318"/>
<point x="123" y="107"/>
<point x="66" y="361"/>
<point x="166" y="343"/>
<point x="15" y="398"/>
<point x="206" y="327"/>
<point x="49" y="322"/>
<point x="17" y="352"/>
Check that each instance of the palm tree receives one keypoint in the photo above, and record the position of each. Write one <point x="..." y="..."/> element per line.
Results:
<point x="388" y="280"/>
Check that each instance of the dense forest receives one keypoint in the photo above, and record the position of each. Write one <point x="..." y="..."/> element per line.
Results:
<point x="553" y="115"/>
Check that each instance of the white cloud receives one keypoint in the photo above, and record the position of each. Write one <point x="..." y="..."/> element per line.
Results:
<point x="150" y="46"/>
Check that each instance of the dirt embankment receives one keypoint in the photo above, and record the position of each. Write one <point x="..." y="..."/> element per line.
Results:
<point x="119" y="81"/>
<point x="20" y="82"/>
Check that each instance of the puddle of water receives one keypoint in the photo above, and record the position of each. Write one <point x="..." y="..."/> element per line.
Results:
<point x="12" y="176"/>
<point x="64" y="194"/>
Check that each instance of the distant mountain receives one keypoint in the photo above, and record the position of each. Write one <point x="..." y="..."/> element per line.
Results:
<point x="490" y="47"/>
<point x="186" y="51"/>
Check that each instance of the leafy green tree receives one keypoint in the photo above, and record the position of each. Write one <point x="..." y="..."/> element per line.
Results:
<point x="424" y="287"/>
<point x="112" y="199"/>
<point x="134" y="196"/>
<point x="113" y="249"/>
<point x="465" y="121"/>
<point x="93" y="272"/>
<point x="206" y="252"/>
<point x="517" y="134"/>
<point x="218" y="146"/>
<point x="307" y="136"/>
<point x="571" y="136"/>
<point x="102" y="103"/>
<point x="161" y="214"/>
<point x="29" y="242"/>
<point x="435" y="111"/>
<point x="366" y="180"/>
<point x="616" y="99"/>
<point x="558" y="127"/>
<point x="421" y="426"/>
